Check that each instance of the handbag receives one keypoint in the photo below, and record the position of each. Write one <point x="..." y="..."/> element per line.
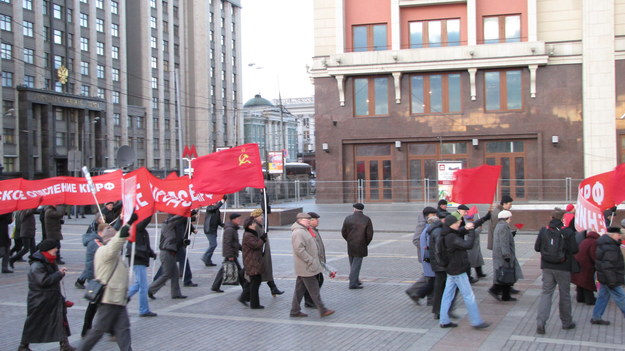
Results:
<point x="506" y="275"/>
<point x="95" y="288"/>
<point x="231" y="273"/>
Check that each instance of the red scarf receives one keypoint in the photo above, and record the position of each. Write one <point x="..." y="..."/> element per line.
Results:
<point x="48" y="256"/>
<point x="312" y="232"/>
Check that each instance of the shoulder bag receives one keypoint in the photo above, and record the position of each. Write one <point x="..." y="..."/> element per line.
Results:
<point x="95" y="288"/>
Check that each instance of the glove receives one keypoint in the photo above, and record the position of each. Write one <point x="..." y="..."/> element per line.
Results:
<point x="225" y="198"/>
<point x="263" y="237"/>
<point x="193" y="213"/>
<point x="125" y="231"/>
<point x="513" y="233"/>
<point x="153" y="254"/>
<point x="507" y="259"/>
<point x="133" y="218"/>
<point x="186" y="242"/>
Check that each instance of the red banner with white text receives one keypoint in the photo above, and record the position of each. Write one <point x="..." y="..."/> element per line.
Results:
<point x="595" y="194"/>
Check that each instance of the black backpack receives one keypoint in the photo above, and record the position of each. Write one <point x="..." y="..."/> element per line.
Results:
<point x="552" y="245"/>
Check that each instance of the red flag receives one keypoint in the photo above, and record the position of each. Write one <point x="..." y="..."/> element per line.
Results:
<point x="519" y="226"/>
<point x="472" y="211"/>
<point x="475" y="185"/>
<point x="228" y="171"/>
<point x="594" y="195"/>
<point x="618" y="192"/>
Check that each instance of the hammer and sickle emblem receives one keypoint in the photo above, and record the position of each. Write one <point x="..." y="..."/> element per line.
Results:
<point x="243" y="158"/>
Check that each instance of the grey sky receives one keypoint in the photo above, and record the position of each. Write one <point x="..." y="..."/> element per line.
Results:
<point x="277" y="36"/>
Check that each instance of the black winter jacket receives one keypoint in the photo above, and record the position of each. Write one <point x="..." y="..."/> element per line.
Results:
<point x="230" y="244"/>
<point x="571" y="247"/>
<point x="143" y="250"/>
<point x="213" y="218"/>
<point x="435" y="235"/>
<point x="169" y="240"/>
<point x="609" y="262"/>
<point x="456" y="246"/>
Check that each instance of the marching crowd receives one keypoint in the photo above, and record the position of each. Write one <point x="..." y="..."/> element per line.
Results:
<point x="448" y="246"/>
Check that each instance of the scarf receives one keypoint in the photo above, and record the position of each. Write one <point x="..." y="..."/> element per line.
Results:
<point x="312" y="232"/>
<point x="48" y="256"/>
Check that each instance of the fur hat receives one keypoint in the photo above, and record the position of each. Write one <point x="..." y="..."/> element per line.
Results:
<point x="504" y="214"/>
<point x="359" y="206"/>
<point x="256" y="212"/>
<point x="47" y="245"/>
<point x="557" y="213"/>
<point x="449" y="220"/>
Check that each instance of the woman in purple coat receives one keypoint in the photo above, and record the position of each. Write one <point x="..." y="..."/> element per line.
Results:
<point x="585" y="279"/>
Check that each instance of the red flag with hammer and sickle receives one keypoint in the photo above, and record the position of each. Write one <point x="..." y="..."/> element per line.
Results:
<point x="228" y="171"/>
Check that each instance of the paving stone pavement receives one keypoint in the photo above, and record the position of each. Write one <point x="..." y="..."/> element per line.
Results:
<point x="378" y="317"/>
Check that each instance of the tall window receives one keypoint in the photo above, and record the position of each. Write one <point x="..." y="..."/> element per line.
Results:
<point x="6" y="51"/>
<point x="99" y="25"/>
<point x="153" y="22"/>
<point x="154" y="61"/>
<point x="57" y="11"/>
<point x="99" y="48"/>
<point x="27" y="28"/>
<point x="27" y="4"/>
<point x="5" y="22"/>
<point x="84" y="68"/>
<point x="84" y="20"/>
<point x="99" y="4"/>
<point x="435" y="93"/>
<point x="154" y="83"/>
<point x="115" y="97"/>
<point x="503" y="90"/>
<point x="435" y="33"/>
<point x="502" y="29"/>
<point x="115" y="52"/>
<point x="114" y="7"/>
<point x="100" y="71"/>
<point x="116" y="119"/>
<point x="101" y="93"/>
<point x="84" y="90"/>
<point x="371" y="96"/>
<point x="29" y="56"/>
<point x="115" y="74"/>
<point x="7" y="79"/>
<point x="84" y="44"/>
<point x="115" y="30"/>
<point x="58" y="37"/>
<point x="370" y="37"/>
<point x="29" y="81"/>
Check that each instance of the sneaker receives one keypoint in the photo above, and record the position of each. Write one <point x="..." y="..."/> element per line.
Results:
<point x="599" y="322"/>
<point x="148" y="314"/>
<point x="484" y="325"/>
<point x="540" y="329"/>
<point x="449" y="325"/>
<point x="568" y="327"/>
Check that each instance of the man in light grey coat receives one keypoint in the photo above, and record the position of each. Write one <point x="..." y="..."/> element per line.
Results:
<point x="307" y="266"/>
<point x="112" y="316"/>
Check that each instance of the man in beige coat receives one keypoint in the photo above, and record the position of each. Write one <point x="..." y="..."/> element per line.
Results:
<point x="307" y="266"/>
<point x="112" y="316"/>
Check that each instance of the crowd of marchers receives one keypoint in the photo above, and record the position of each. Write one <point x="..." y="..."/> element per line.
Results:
<point x="448" y="243"/>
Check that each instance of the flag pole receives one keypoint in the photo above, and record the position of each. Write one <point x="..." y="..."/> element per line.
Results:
<point x="265" y="216"/>
<point x="87" y="175"/>
<point x="188" y="229"/>
<point x="156" y="237"/>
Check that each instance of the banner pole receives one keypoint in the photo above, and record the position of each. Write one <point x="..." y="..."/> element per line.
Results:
<point x="85" y="172"/>
<point x="265" y="215"/>
<point x="132" y="260"/>
<point x="156" y="237"/>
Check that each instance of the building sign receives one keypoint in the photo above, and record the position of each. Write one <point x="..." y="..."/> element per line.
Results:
<point x="446" y="177"/>
<point x="275" y="162"/>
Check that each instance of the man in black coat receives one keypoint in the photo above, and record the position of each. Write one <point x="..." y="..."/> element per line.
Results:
<point x="5" y="241"/>
<point x="27" y="234"/>
<point x="556" y="274"/>
<point x="610" y="273"/>
<point x="358" y="232"/>
<point x="455" y="246"/>
<point x="212" y="221"/>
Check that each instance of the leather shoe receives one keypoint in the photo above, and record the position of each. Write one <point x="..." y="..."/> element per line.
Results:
<point x="599" y="322"/>
<point x="473" y="280"/>
<point x="7" y="271"/>
<point x="217" y="290"/>
<point x="484" y="325"/>
<point x="356" y="287"/>
<point x="327" y="313"/>
<point x="151" y="295"/>
<point x="259" y="307"/>
<point x="242" y="300"/>
<point x="514" y="291"/>
<point x="209" y="264"/>
<point x="510" y="299"/>
<point x="540" y="329"/>
<point x="192" y="284"/>
<point x="148" y="314"/>
<point x="298" y="314"/>
<point x="494" y="294"/>
<point x="449" y="325"/>
<point x="568" y="327"/>
<point x="179" y="297"/>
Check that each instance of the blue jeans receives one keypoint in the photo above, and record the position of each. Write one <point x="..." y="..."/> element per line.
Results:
<point x="617" y="294"/>
<point x="140" y="285"/>
<point x="212" y="245"/>
<point x="460" y="281"/>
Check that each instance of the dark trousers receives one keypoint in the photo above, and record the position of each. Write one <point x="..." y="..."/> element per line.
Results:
<point x="17" y="244"/>
<point x="6" y="256"/>
<point x="310" y="285"/>
<point x="109" y="319"/>
<point x="503" y="290"/>
<point x="307" y="299"/>
<point x="90" y="312"/>
<point x="252" y="292"/>
<point x="28" y="244"/>
<point x="585" y="296"/>
<point x="180" y="259"/>
<point x="219" y="277"/>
